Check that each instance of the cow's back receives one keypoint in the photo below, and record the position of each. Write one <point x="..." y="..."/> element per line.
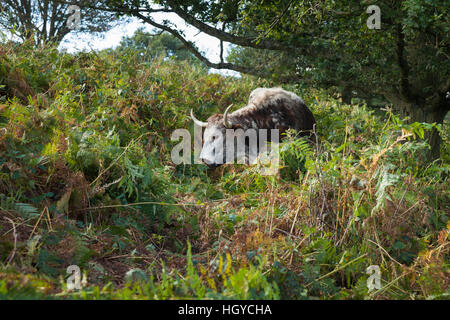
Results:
<point x="275" y="108"/>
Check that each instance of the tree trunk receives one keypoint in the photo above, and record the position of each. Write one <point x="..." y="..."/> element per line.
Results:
<point x="428" y="114"/>
<point x="432" y="110"/>
<point x="347" y="94"/>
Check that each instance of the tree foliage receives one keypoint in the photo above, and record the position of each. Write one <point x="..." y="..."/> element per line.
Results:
<point x="153" y="45"/>
<point x="46" y="20"/>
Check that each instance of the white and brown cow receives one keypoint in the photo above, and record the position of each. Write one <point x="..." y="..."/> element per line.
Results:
<point x="267" y="108"/>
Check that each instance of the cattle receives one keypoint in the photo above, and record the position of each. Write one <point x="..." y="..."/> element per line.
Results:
<point x="267" y="108"/>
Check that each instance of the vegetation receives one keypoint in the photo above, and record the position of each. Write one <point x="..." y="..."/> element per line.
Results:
<point x="327" y="43"/>
<point x="86" y="179"/>
<point x="43" y="21"/>
<point x="150" y="46"/>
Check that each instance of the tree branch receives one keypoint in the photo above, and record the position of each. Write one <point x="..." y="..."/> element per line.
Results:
<point x="227" y="37"/>
<point x="192" y="48"/>
<point x="276" y="21"/>
<point x="121" y="9"/>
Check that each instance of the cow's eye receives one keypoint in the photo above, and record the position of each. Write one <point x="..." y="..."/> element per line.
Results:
<point x="213" y="138"/>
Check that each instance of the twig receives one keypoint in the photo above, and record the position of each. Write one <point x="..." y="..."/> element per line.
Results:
<point x="384" y="250"/>
<point x="120" y="156"/>
<point x="286" y="233"/>
<point x="295" y="248"/>
<point x="384" y="288"/>
<point x="37" y="223"/>
<point x="336" y="270"/>
<point x="275" y="21"/>
<point x="319" y="176"/>
<point x="349" y="222"/>
<point x="138" y="204"/>
<point x="13" y="253"/>
<point x="49" y="220"/>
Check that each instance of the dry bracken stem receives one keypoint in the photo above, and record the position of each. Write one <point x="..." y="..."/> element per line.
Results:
<point x="296" y="247"/>
<point x="336" y="270"/>
<point x="49" y="223"/>
<point x="285" y="232"/>
<point x="414" y="205"/>
<point x="384" y="250"/>
<point x="13" y="253"/>
<point x="378" y="241"/>
<point x="345" y="139"/>
<point x="382" y="289"/>
<point x="295" y="217"/>
<point x="37" y="223"/>
<point x="349" y="223"/>
<point x="138" y="204"/>
<point x="319" y="176"/>
<point x="120" y="156"/>
<point x="273" y="210"/>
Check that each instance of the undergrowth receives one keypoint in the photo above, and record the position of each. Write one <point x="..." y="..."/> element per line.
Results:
<point x="86" y="179"/>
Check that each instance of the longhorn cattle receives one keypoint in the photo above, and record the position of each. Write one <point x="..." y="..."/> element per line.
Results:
<point x="267" y="108"/>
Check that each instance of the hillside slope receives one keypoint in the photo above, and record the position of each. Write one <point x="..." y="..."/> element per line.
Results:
<point x="86" y="179"/>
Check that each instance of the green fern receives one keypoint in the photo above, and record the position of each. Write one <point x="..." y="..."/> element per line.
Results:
<point x="26" y="210"/>
<point x="385" y="180"/>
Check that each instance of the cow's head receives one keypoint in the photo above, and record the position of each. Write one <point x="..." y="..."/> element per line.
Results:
<point x="214" y="146"/>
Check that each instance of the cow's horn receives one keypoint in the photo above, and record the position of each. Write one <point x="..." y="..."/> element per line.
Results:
<point x="227" y="123"/>
<point x="198" y="122"/>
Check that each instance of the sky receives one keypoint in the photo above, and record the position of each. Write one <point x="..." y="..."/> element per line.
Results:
<point x="210" y="46"/>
